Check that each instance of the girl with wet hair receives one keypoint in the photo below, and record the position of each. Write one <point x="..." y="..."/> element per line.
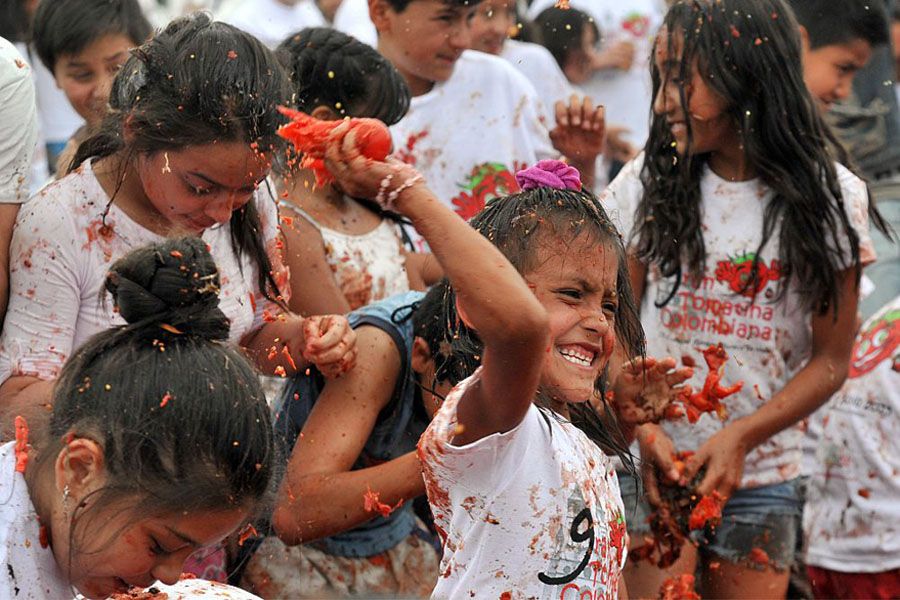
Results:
<point x="190" y="136"/>
<point x="350" y="250"/>
<point x="523" y="495"/>
<point x="134" y="473"/>
<point x="743" y="228"/>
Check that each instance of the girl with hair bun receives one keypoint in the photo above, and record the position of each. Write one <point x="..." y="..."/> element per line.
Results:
<point x="133" y="474"/>
<point x="188" y="140"/>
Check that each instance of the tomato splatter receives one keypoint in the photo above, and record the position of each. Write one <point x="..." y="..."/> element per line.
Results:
<point x="864" y="492"/>
<point x="311" y="137"/>
<point x="287" y="355"/>
<point x="680" y="587"/>
<point x="247" y="532"/>
<point x="372" y="503"/>
<point x="280" y="372"/>
<point x="21" y="444"/>
<point x="709" y="398"/>
<point x="165" y="400"/>
<point x="707" y="512"/>
<point x="759" y="556"/>
<point x="176" y="254"/>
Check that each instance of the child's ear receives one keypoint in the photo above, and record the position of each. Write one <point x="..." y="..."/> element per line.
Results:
<point x="421" y="355"/>
<point x="324" y="113"/>
<point x="80" y="466"/>
<point x="804" y="39"/>
<point x="378" y="12"/>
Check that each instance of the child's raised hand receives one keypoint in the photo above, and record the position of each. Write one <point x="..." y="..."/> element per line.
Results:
<point x="362" y="177"/>
<point x="329" y="343"/>
<point x="618" y="56"/>
<point x="646" y="386"/>
<point x="580" y="129"/>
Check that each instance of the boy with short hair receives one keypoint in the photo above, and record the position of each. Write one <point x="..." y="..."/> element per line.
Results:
<point x="838" y="37"/>
<point x="84" y="43"/>
<point x="474" y="120"/>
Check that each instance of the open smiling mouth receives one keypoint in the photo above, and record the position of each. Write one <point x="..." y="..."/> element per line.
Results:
<point x="577" y="355"/>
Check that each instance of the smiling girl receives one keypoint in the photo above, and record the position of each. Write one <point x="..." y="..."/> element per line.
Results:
<point x="742" y="230"/>
<point x="187" y="143"/>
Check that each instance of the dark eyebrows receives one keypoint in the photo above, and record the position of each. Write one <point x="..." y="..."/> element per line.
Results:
<point x="184" y="538"/>
<point x="217" y="184"/>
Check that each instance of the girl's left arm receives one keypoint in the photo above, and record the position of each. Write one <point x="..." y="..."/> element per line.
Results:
<point x="832" y="344"/>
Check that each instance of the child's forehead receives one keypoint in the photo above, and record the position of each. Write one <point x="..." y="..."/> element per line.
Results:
<point x="584" y="258"/>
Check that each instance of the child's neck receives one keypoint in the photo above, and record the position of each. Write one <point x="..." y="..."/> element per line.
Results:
<point x="120" y="180"/>
<point x="731" y="164"/>
<point x="329" y="206"/>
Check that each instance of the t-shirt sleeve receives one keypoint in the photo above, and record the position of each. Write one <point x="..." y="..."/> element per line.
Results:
<point x="856" y="204"/>
<point x="44" y="292"/>
<point x="18" y="127"/>
<point x="264" y="308"/>
<point x="480" y="465"/>
<point x="620" y="199"/>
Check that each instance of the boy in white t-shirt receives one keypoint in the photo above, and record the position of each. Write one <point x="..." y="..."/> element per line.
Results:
<point x="473" y="119"/>
<point x="271" y="21"/>
<point x="852" y="514"/>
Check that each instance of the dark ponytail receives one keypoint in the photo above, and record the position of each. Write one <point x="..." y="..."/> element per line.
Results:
<point x="180" y="415"/>
<point x="198" y="82"/>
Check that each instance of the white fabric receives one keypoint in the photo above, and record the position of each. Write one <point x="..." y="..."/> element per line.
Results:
<point x="271" y="21"/>
<point x="59" y="257"/>
<point x="470" y="134"/>
<point x="514" y="509"/>
<point x="58" y="119"/>
<point x="768" y="343"/>
<point x="376" y="253"/>
<point x="198" y="588"/>
<point x="18" y="125"/>
<point x="852" y="514"/>
<point x="626" y="94"/>
<point x="30" y="571"/>
<point x="540" y="68"/>
<point x="352" y="17"/>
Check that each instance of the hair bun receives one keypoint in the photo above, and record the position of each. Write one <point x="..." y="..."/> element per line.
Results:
<point x="549" y="173"/>
<point x="172" y="286"/>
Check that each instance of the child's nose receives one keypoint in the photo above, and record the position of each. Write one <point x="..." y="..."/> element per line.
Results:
<point x="221" y="208"/>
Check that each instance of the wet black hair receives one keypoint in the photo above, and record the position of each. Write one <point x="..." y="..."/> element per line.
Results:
<point x="198" y="82"/>
<point x="516" y="224"/>
<point x="66" y="27"/>
<point x="836" y="22"/>
<point x="330" y="68"/>
<point x="560" y="30"/>
<point x="178" y="411"/>
<point x="400" y="5"/>
<point x="14" y="21"/>
<point x="740" y="46"/>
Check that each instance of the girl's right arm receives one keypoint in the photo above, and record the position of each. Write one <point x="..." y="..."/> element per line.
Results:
<point x="492" y="298"/>
<point x="44" y="302"/>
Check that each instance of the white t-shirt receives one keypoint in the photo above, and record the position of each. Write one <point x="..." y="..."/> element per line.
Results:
<point x="58" y="119"/>
<point x="30" y="572"/>
<point x="271" y="21"/>
<point x="767" y="343"/>
<point x="852" y="514"/>
<point x="18" y="125"/>
<point x="470" y="134"/>
<point x="59" y="258"/>
<point x="540" y="68"/>
<point x="626" y="94"/>
<point x="352" y="18"/>
<point x="535" y="512"/>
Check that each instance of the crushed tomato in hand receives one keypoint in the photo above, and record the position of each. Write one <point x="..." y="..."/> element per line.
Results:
<point x="709" y="398"/>
<point x="680" y="587"/>
<point x="311" y="137"/>
<point x="707" y="512"/>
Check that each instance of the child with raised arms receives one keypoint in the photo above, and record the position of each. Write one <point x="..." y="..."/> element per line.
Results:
<point x="509" y="480"/>
<point x="189" y="138"/>
<point x="135" y="473"/>
<point x="349" y="250"/>
<point x="742" y="229"/>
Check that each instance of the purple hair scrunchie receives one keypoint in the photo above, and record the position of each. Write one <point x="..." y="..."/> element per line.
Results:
<point x="549" y="173"/>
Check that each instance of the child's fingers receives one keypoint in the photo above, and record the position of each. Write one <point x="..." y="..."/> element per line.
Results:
<point x="562" y="113"/>
<point x="693" y="465"/>
<point x="310" y="327"/>
<point x="679" y="376"/>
